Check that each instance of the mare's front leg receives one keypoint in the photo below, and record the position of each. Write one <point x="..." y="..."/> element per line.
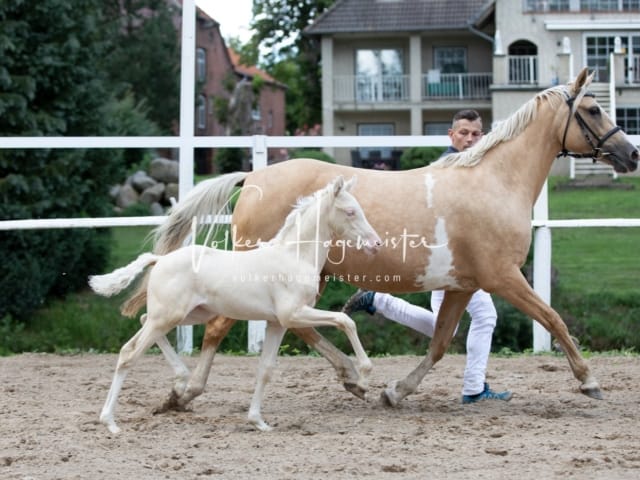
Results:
<point x="216" y="329"/>
<point x="519" y="293"/>
<point x="268" y="359"/>
<point x="449" y="315"/>
<point x="308" y="316"/>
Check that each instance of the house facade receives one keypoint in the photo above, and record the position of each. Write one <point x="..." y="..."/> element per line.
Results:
<point x="404" y="67"/>
<point x="216" y="67"/>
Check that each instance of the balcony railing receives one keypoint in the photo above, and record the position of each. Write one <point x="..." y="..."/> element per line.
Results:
<point x="371" y="88"/>
<point x="523" y="69"/>
<point x="635" y="78"/>
<point x="456" y="86"/>
<point x="395" y="88"/>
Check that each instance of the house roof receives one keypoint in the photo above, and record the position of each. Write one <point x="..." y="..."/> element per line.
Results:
<point x="249" y="70"/>
<point x="357" y="16"/>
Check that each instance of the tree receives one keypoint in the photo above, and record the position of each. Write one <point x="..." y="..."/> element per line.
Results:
<point x="52" y="83"/>
<point x="144" y="59"/>
<point x="293" y="58"/>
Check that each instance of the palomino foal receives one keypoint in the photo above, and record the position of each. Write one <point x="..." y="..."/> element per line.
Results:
<point x="277" y="282"/>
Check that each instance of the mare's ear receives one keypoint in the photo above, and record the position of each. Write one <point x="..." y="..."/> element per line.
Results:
<point x="583" y="79"/>
<point x="348" y="185"/>
<point x="338" y="184"/>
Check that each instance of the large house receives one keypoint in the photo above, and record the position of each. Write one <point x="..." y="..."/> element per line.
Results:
<point x="404" y="67"/>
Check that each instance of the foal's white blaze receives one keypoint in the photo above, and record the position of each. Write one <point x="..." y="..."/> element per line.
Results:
<point x="429" y="182"/>
<point x="437" y="273"/>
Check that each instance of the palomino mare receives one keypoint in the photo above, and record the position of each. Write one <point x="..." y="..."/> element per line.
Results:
<point x="278" y="282"/>
<point x="473" y="208"/>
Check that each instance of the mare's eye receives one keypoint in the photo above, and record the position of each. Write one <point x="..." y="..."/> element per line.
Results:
<point x="350" y="212"/>
<point x="594" y="110"/>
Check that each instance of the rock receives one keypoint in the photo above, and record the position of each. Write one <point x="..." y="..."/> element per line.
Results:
<point x="164" y="170"/>
<point x="127" y="196"/>
<point x="141" y="181"/>
<point x="152" y="194"/>
<point x="171" y="190"/>
<point x="156" y="209"/>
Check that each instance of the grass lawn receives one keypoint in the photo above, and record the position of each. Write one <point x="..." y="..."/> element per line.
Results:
<point x="591" y="260"/>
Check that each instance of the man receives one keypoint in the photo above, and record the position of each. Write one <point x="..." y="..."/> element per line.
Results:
<point x="465" y="131"/>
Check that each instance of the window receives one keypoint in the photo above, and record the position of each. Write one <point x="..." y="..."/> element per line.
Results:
<point x="599" y="48"/>
<point x="373" y="129"/>
<point x="380" y="75"/>
<point x="201" y="112"/>
<point x="201" y="65"/>
<point x="436" y="128"/>
<point x="546" y="5"/>
<point x="609" y="5"/>
<point x="629" y="119"/>
<point x="523" y="63"/>
<point x="450" y="59"/>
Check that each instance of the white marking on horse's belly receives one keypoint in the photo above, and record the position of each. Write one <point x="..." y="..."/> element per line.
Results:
<point x="429" y="184"/>
<point x="437" y="273"/>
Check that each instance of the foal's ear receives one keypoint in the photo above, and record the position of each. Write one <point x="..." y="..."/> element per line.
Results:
<point x="348" y="185"/>
<point x="582" y="80"/>
<point x="338" y="185"/>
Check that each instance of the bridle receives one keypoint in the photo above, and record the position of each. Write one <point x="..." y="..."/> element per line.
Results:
<point x="587" y="131"/>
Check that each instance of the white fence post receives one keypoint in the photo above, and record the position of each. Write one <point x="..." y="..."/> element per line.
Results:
<point x="184" y="335"/>
<point x="256" y="328"/>
<point x="542" y="267"/>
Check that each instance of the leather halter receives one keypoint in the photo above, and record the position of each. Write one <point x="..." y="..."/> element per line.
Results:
<point x="587" y="131"/>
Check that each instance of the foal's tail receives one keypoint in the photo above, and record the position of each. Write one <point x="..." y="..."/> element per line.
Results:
<point x="116" y="281"/>
<point x="209" y="197"/>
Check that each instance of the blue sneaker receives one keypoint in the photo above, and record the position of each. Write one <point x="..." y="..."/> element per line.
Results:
<point x="359" y="301"/>
<point x="487" y="394"/>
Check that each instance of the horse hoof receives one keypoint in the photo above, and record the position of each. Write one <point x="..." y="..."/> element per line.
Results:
<point x="593" y="392"/>
<point x="356" y="389"/>
<point x="389" y="396"/>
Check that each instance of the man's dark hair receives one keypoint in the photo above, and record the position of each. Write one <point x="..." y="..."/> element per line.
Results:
<point x="471" y="115"/>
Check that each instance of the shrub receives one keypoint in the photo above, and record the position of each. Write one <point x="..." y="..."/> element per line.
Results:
<point x="416" y="157"/>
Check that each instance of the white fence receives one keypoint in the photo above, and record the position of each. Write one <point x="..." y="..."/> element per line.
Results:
<point x="259" y="144"/>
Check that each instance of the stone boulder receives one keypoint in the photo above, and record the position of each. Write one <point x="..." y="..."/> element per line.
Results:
<point x="164" y="170"/>
<point x="152" y="194"/>
<point x="126" y="196"/>
<point x="141" y="181"/>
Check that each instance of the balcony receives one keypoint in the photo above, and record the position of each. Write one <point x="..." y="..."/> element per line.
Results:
<point x="395" y="88"/>
<point x="456" y="86"/>
<point x="635" y="77"/>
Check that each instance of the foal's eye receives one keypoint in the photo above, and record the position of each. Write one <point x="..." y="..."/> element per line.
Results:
<point x="594" y="110"/>
<point x="350" y="212"/>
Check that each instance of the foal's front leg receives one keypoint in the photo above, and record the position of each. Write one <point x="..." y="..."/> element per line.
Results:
<point x="272" y="340"/>
<point x="307" y="316"/>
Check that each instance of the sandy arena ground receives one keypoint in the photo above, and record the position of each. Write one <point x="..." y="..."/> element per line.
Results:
<point x="49" y="427"/>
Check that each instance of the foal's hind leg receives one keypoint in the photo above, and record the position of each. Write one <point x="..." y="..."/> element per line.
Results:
<point x="449" y="315"/>
<point x="216" y="329"/>
<point x="179" y="368"/>
<point x="268" y="359"/>
<point x="129" y="354"/>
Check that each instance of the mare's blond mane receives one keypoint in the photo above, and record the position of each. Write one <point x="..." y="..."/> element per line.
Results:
<point x="510" y="128"/>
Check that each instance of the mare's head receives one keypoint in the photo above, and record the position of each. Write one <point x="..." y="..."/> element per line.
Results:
<point x="588" y="132"/>
<point x="346" y="217"/>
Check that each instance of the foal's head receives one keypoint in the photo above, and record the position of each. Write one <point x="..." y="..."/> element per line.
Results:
<point x="346" y="217"/>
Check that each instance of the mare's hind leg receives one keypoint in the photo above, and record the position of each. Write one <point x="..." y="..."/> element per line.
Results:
<point x="129" y="354"/>
<point x="268" y="360"/>
<point x="347" y="373"/>
<point x="519" y="293"/>
<point x="216" y="329"/>
<point x="449" y="315"/>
